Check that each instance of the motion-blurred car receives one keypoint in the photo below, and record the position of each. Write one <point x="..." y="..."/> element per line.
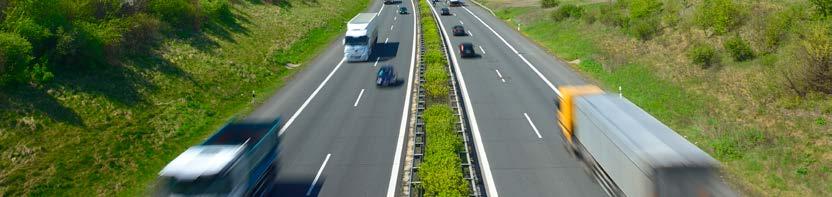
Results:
<point x="402" y="10"/>
<point x="459" y="30"/>
<point x="386" y="76"/>
<point x="467" y="50"/>
<point x="445" y="11"/>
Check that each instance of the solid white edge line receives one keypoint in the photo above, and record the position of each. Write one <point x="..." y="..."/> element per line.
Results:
<point x="397" y="162"/>
<point x="309" y="99"/>
<point x="359" y="98"/>
<point x="481" y="49"/>
<point x="379" y="10"/>
<point x="475" y="129"/>
<point x="539" y="74"/>
<point x="315" y="181"/>
<point x="533" y="127"/>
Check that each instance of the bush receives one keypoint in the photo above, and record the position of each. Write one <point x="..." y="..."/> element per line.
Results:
<point x="441" y="170"/>
<point x="823" y="7"/>
<point x="177" y="13"/>
<point x="567" y="11"/>
<point x="612" y="16"/>
<point x="15" y="57"/>
<point x="549" y="3"/>
<point x="644" y="29"/>
<point x="216" y="10"/>
<point x="703" y="55"/>
<point x="644" y="8"/>
<point x="776" y="28"/>
<point x="816" y="50"/>
<point x="718" y="15"/>
<point x="738" y="48"/>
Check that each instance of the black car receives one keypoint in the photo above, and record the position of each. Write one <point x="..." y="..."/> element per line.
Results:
<point x="467" y="50"/>
<point x="445" y="11"/>
<point x="402" y="10"/>
<point x="386" y="76"/>
<point x="459" y="30"/>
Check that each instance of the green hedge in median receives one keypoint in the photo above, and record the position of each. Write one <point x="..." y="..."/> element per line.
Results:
<point x="441" y="170"/>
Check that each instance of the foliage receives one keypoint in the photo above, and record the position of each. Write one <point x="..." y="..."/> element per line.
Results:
<point x="441" y="170"/>
<point x="824" y="7"/>
<point x="703" y="54"/>
<point x="15" y="56"/>
<point x="811" y="69"/>
<point x="718" y="15"/>
<point x="738" y="48"/>
<point x="567" y="11"/>
<point x="644" y="29"/>
<point x="549" y="3"/>
<point x="640" y="9"/>
<point x="777" y="26"/>
<point x="613" y="16"/>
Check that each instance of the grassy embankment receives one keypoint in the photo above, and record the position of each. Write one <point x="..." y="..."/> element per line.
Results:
<point x="441" y="170"/>
<point x="741" y="105"/>
<point x="108" y="132"/>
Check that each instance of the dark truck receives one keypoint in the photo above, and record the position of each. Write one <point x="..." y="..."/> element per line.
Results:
<point x="234" y="161"/>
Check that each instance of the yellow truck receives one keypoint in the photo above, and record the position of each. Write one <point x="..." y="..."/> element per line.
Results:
<point x="630" y="152"/>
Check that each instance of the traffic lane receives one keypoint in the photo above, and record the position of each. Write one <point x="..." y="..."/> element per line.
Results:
<point x="373" y="130"/>
<point x="285" y="101"/>
<point x="509" y="137"/>
<point x="553" y="69"/>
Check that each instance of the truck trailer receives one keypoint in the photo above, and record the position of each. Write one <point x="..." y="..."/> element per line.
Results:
<point x="235" y="161"/>
<point x="630" y="152"/>
<point x="361" y="37"/>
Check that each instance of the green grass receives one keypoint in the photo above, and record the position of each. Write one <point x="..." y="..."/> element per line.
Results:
<point x="108" y="133"/>
<point x="770" y="143"/>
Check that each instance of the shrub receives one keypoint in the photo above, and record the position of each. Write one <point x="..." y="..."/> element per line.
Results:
<point x="441" y="172"/>
<point x="142" y="31"/>
<point x="15" y="55"/>
<point x="613" y="16"/>
<point x="644" y="29"/>
<point x="549" y="3"/>
<point x="436" y="75"/>
<point x="644" y="8"/>
<point x="178" y="13"/>
<point x="816" y="50"/>
<point x="776" y="28"/>
<point x="703" y="55"/>
<point x="217" y="10"/>
<point x="738" y="48"/>
<point x="718" y="15"/>
<point x="823" y="7"/>
<point x="567" y="11"/>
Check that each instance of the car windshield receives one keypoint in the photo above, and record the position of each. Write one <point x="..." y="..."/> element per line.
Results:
<point x="361" y="40"/>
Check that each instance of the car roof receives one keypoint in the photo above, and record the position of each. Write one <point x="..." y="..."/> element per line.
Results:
<point x="458" y="26"/>
<point x="467" y="44"/>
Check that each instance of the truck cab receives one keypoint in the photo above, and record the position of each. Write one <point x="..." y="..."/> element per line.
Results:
<point x="361" y="37"/>
<point x="235" y="161"/>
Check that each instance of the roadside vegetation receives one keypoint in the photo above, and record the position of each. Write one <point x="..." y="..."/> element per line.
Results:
<point x="750" y="82"/>
<point x="96" y="96"/>
<point x="441" y="170"/>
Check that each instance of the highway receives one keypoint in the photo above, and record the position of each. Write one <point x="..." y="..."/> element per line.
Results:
<point x="343" y="136"/>
<point x="509" y="93"/>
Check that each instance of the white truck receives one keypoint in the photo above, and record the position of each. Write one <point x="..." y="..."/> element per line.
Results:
<point x="361" y="37"/>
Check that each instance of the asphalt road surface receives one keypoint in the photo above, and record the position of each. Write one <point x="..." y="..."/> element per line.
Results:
<point x="510" y="88"/>
<point x="342" y="136"/>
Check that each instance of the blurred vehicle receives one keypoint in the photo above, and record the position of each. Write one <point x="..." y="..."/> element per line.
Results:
<point x="386" y="76"/>
<point x="402" y="10"/>
<point x="388" y="1"/>
<point x="361" y="37"/>
<point x="629" y="151"/>
<point x="455" y="2"/>
<point x="459" y="30"/>
<point x="467" y="50"/>
<point x="235" y="161"/>
<point x="445" y="11"/>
